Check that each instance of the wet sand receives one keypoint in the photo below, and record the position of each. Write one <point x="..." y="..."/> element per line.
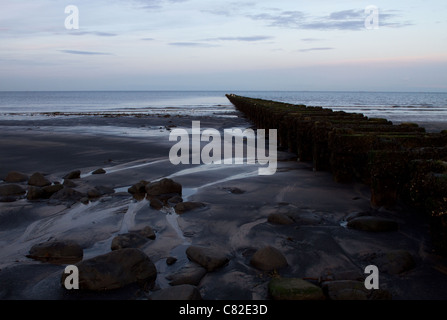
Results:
<point x="131" y="149"/>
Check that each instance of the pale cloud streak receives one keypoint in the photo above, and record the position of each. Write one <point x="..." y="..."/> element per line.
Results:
<point x="352" y="20"/>
<point x="241" y="38"/>
<point x="316" y="49"/>
<point x="86" y="53"/>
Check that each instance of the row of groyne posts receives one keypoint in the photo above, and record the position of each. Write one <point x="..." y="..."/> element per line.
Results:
<point x="404" y="166"/>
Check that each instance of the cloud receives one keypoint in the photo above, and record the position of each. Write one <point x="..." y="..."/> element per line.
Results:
<point x="338" y="20"/>
<point x="316" y="49"/>
<point x="246" y="38"/>
<point x="230" y="9"/>
<point x="156" y="4"/>
<point x="96" y="33"/>
<point x="190" y="44"/>
<point x="147" y="39"/>
<point x="84" y="52"/>
<point x="290" y="19"/>
<point x="346" y="15"/>
<point x="311" y="39"/>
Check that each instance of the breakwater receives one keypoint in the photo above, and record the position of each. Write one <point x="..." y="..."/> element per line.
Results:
<point x="403" y="164"/>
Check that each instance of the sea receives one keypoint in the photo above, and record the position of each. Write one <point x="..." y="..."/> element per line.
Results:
<point x="394" y="106"/>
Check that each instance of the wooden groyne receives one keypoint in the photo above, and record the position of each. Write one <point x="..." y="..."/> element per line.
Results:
<point x="403" y="164"/>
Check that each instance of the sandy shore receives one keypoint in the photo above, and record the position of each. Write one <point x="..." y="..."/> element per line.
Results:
<point x="317" y="245"/>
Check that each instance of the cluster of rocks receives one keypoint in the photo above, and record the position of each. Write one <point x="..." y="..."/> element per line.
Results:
<point x="135" y="239"/>
<point x="285" y="214"/>
<point x="184" y="283"/>
<point x="165" y="193"/>
<point x="346" y="285"/>
<point x="125" y="264"/>
<point x="401" y="163"/>
<point x="18" y="185"/>
<point x="114" y="270"/>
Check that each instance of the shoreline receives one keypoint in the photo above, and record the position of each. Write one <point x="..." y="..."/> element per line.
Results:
<point x="236" y="217"/>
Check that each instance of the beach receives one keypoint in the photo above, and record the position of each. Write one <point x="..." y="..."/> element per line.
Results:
<point x="300" y="214"/>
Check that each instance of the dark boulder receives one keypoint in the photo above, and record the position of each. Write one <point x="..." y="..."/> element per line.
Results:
<point x="15" y="176"/>
<point x="373" y="224"/>
<point x="38" y="180"/>
<point x="59" y="252"/>
<point x="183" y="207"/>
<point x="209" y="258"/>
<point x="11" y="190"/>
<point x="268" y="259"/>
<point x="99" y="171"/>
<point x="76" y="174"/>
<point x="128" y="240"/>
<point x="114" y="270"/>
<point x="164" y="186"/>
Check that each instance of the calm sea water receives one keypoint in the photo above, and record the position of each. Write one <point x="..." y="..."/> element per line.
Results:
<point x="395" y="106"/>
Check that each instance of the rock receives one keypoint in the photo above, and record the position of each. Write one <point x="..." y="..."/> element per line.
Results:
<point x="34" y="193"/>
<point x="147" y="232"/>
<point x="139" y="196"/>
<point x="48" y="191"/>
<point x="373" y="224"/>
<point x="76" y="174"/>
<point x="344" y="274"/>
<point x="67" y="194"/>
<point x="99" y="191"/>
<point x="11" y="190"/>
<point x="93" y="193"/>
<point x="171" y="260"/>
<point x="294" y="289"/>
<point x="114" y="270"/>
<point x="308" y="219"/>
<point x="268" y="259"/>
<point x="156" y="204"/>
<point x="128" y="240"/>
<point x="59" y="252"/>
<point x="345" y="290"/>
<point x="278" y="218"/>
<point x="233" y="190"/>
<point x="183" y="207"/>
<point x="352" y="290"/>
<point x="15" y="176"/>
<point x="38" y="180"/>
<point x="163" y="197"/>
<point x="190" y="274"/>
<point x="104" y="190"/>
<point x="99" y="171"/>
<point x="69" y="183"/>
<point x="174" y="200"/>
<point x="210" y="259"/>
<point x="394" y="262"/>
<point x="164" y="186"/>
<point x="180" y="292"/>
<point x="138" y="188"/>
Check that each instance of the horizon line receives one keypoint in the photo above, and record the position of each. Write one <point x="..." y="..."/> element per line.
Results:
<point x="227" y="91"/>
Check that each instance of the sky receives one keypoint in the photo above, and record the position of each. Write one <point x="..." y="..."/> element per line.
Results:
<point x="321" y="45"/>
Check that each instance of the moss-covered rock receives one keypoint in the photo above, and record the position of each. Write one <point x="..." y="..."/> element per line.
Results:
<point x="373" y="224"/>
<point x="294" y="289"/>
